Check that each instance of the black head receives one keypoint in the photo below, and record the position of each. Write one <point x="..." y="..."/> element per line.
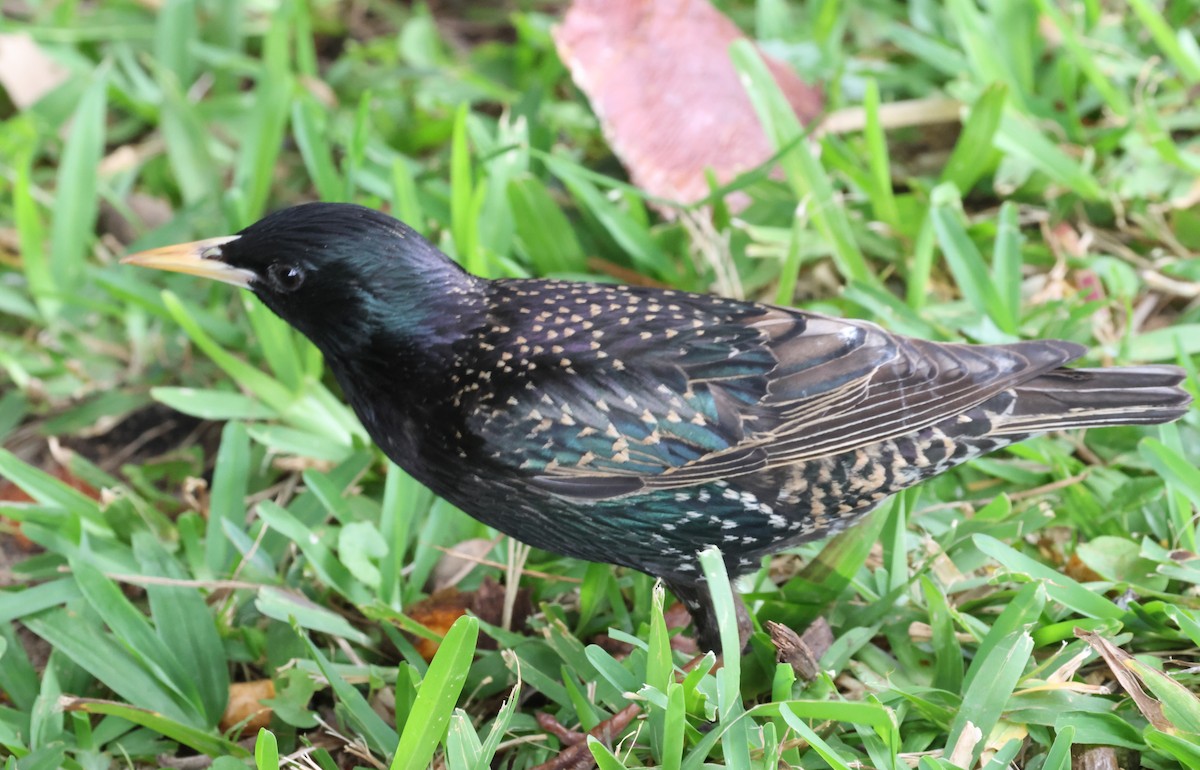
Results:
<point x="342" y="274"/>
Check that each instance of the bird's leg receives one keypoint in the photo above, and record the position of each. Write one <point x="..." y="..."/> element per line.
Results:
<point x="698" y="600"/>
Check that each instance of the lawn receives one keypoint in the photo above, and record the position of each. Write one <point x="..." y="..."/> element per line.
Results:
<point x="205" y="562"/>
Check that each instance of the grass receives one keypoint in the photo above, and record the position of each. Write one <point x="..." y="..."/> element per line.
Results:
<point x="981" y="620"/>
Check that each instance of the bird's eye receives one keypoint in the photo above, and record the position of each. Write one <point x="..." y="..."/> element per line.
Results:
<point x="285" y="277"/>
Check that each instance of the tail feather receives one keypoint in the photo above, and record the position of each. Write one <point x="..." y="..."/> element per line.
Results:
<point x="1083" y="398"/>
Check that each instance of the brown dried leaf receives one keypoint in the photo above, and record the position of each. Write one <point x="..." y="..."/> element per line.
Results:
<point x="964" y="747"/>
<point x="1117" y="661"/>
<point x="1096" y="758"/>
<point x="439" y="611"/>
<point x="245" y="706"/>
<point x="1079" y="571"/>
<point x="802" y="653"/>
<point x="659" y="78"/>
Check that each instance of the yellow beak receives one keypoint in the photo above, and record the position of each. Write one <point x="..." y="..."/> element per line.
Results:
<point x="202" y="258"/>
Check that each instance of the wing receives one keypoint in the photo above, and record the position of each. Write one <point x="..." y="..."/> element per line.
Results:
<point x="596" y="391"/>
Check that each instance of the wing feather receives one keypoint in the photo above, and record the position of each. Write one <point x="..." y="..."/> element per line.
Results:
<point x="718" y="389"/>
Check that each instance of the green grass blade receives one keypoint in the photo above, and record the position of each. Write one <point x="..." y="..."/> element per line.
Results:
<point x="310" y="130"/>
<point x="195" y="739"/>
<point x="730" y="711"/>
<point x="543" y="232"/>
<point x="188" y="143"/>
<point x="213" y="404"/>
<point x="987" y="694"/>
<point x="948" y="655"/>
<point x="183" y="622"/>
<point x="278" y="344"/>
<point x="231" y="475"/>
<point x="883" y="198"/>
<point x="1018" y="136"/>
<point x="437" y="696"/>
<point x="39" y="273"/>
<point x="46" y="489"/>
<point x="804" y="172"/>
<point x="328" y="567"/>
<point x="1169" y="40"/>
<point x="1006" y="264"/>
<point x="258" y="156"/>
<point x="269" y="390"/>
<point x="1086" y="60"/>
<point x="96" y="653"/>
<point x="284" y="606"/>
<point x="406" y="204"/>
<point x="380" y="737"/>
<point x="966" y="263"/>
<point x="132" y="630"/>
<point x="174" y="36"/>
<point x="970" y="158"/>
<point x="266" y="750"/>
<point x="818" y="744"/>
<point x="632" y="236"/>
<point x="1060" y="587"/>
<point x="1181" y="707"/>
<point x="983" y="47"/>
<point x="462" y="192"/>
<point x="77" y="200"/>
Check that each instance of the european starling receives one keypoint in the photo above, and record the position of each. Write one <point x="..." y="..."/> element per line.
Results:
<point x="636" y="426"/>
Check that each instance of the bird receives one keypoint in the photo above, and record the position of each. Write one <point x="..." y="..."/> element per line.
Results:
<point x="637" y="426"/>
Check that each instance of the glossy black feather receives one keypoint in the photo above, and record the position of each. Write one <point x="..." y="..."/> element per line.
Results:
<point x="636" y="426"/>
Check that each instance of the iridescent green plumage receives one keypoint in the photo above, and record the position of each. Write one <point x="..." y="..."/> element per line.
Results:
<point x="636" y="426"/>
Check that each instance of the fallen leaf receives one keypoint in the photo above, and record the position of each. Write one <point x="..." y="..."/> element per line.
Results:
<point x="1077" y="570"/>
<point x="439" y="611"/>
<point x="802" y="652"/>
<point x="1118" y="663"/>
<point x="1096" y="758"/>
<point x="26" y="72"/>
<point x="671" y="104"/>
<point x="964" y="747"/>
<point x="244" y="707"/>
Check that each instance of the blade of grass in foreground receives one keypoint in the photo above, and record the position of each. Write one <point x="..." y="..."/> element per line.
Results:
<point x="191" y="737"/>
<point x="266" y="750"/>
<point x="439" y="691"/>
<point x="1059" y="586"/>
<point x="379" y="736"/>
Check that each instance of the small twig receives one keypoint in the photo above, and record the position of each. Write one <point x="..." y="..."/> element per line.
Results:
<point x="1019" y="495"/>
<point x="901" y="114"/>
<point x="148" y="580"/>
<point x="578" y="756"/>
<point x="565" y="735"/>
<point x="349" y="651"/>
<point x="499" y="565"/>
<point x="1052" y="486"/>
<point x="1173" y="286"/>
